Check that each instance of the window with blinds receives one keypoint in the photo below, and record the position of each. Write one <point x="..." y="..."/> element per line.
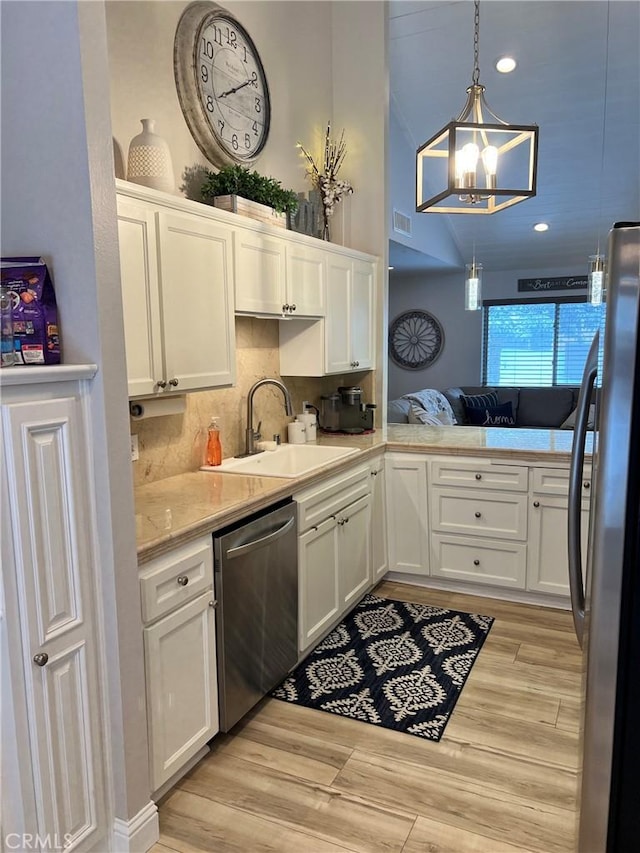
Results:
<point x="538" y="341"/>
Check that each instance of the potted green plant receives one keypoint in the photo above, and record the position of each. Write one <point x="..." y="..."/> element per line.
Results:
<point x="243" y="191"/>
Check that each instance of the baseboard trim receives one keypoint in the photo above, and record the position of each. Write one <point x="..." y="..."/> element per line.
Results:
<point x="138" y="834"/>
<point x="537" y="599"/>
<point x="170" y="783"/>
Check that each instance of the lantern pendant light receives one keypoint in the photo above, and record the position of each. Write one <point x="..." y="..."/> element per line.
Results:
<point x="477" y="163"/>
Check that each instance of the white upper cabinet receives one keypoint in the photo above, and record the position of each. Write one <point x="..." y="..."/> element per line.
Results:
<point x="277" y="277"/>
<point x="344" y="341"/>
<point x="177" y="285"/>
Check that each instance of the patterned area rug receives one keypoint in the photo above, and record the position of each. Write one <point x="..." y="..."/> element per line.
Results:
<point x="392" y="664"/>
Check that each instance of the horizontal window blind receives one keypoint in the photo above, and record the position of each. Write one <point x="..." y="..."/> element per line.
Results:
<point x="538" y="342"/>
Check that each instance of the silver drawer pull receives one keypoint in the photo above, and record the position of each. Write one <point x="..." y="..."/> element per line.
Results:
<point x="478" y="515"/>
<point x="213" y="604"/>
<point x="586" y="485"/>
<point x="536" y="504"/>
<point x="41" y="659"/>
<point x="476" y="562"/>
<point x="183" y="580"/>
<point x="478" y="476"/>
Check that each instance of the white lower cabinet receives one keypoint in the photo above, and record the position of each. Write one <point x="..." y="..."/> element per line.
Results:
<point x="180" y="657"/>
<point x="52" y="726"/>
<point x="379" y="548"/>
<point x="481" y="561"/>
<point x="334" y="552"/>
<point x="407" y="521"/>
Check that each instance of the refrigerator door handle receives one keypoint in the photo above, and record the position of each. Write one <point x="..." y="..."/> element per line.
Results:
<point x="576" y="577"/>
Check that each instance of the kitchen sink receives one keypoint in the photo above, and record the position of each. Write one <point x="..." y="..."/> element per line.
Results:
<point x="288" y="460"/>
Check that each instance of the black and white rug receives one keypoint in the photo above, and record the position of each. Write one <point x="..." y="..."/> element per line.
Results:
<point x="391" y="663"/>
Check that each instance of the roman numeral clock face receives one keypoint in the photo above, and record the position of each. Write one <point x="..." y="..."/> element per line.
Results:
<point x="221" y="85"/>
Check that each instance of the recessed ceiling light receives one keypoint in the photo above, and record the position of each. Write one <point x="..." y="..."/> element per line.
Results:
<point x="541" y="226"/>
<point x="505" y="64"/>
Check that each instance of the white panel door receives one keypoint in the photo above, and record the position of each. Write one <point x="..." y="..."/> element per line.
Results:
<point x="319" y="597"/>
<point x="196" y="286"/>
<point x="182" y="686"/>
<point x="362" y="303"/>
<point x="354" y="552"/>
<point x="338" y="318"/>
<point x="50" y="527"/>
<point x="305" y="281"/>
<point x="407" y="522"/>
<point x="260" y="273"/>
<point x="548" y="563"/>
<point x="140" y="296"/>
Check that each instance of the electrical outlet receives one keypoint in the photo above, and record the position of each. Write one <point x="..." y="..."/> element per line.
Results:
<point x="135" y="455"/>
<point x="305" y="403"/>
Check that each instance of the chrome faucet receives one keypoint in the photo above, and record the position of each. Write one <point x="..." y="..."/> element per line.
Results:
<point x="251" y="436"/>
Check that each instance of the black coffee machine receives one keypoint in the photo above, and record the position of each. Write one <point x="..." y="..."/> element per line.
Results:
<point x="344" y="411"/>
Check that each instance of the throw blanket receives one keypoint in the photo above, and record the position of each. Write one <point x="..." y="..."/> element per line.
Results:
<point x="430" y="407"/>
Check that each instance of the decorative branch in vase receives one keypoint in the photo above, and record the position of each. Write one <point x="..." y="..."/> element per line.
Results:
<point x="326" y="181"/>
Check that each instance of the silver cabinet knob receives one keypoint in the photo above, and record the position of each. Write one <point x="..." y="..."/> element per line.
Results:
<point x="183" y="580"/>
<point x="285" y="307"/>
<point x="586" y="485"/>
<point x="357" y="364"/>
<point x="536" y="503"/>
<point x="476" y="562"/>
<point x="173" y="382"/>
<point x="213" y="604"/>
<point x="478" y="476"/>
<point x="478" y="515"/>
<point x="41" y="658"/>
<point x="292" y="307"/>
<point x="161" y="383"/>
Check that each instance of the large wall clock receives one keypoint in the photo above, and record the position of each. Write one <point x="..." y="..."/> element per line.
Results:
<point x="222" y="87"/>
<point x="416" y="339"/>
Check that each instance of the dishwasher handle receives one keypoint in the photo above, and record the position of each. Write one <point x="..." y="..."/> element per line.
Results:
<point x="262" y="541"/>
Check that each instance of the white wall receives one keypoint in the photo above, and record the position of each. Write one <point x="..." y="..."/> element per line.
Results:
<point x="442" y="294"/>
<point x="57" y="202"/>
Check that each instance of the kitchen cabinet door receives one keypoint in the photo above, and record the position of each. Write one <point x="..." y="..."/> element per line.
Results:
<point x="196" y="284"/>
<point x="140" y="296"/>
<point x="318" y="573"/>
<point x="361" y="315"/>
<point x="49" y="578"/>
<point x="407" y="521"/>
<point x="182" y="689"/>
<point x="338" y="319"/>
<point x="260" y="273"/>
<point x="379" y="556"/>
<point x="548" y="562"/>
<point x="305" y="280"/>
<point x="354" y="552"/>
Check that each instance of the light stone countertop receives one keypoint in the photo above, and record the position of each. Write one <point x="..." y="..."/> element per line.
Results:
<point x="178" y="508"/>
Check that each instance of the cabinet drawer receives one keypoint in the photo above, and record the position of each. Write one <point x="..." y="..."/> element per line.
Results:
<point x="555" y="481"/>
<point x="479" y="513"/>
<point x="479" y="475"/>
<point x="170" y="580"/>
<point x="318" y="503"/>
<point x="479" y="561"/>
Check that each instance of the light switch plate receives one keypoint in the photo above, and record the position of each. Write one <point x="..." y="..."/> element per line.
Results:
<point x="134" y="448"/>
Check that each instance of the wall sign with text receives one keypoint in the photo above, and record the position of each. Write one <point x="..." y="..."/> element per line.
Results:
<point x="565" y="282"/>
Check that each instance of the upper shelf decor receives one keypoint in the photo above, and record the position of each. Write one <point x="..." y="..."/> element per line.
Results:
<point x="233" y="186"/>
<point x="149" y="160"/>
<point x="449" y="165"/>
<point x="331" y="188"/>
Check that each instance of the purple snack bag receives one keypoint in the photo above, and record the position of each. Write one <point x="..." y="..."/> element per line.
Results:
<point x="34" y="312"/>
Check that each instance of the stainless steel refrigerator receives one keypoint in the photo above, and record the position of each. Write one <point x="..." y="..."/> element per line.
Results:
<point x="605" y="582"/>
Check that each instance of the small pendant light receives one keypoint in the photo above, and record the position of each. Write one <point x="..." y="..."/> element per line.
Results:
<point x="596" y="284"/>
<point x="473" y="286"/>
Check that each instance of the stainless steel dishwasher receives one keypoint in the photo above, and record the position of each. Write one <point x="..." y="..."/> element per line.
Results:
<point x="256" y="577"/>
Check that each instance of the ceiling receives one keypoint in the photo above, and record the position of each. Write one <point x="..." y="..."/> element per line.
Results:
<point x="578" y="78"/>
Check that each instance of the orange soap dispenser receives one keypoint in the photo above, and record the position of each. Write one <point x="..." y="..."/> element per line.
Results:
<point x="214" y="448"/>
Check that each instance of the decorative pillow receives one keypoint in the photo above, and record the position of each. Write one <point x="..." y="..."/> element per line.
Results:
<point x="492" y="416"/>
<point x="434" y="403"/>
<point x="421" y="416"/>
<point x="479" y="401"/>
<point x="570" y="422"/>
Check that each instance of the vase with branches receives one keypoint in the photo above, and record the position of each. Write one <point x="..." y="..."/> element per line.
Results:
<point x="325" y="179"/>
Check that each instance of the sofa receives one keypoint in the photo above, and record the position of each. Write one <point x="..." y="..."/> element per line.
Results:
<point x="547" y="408"/>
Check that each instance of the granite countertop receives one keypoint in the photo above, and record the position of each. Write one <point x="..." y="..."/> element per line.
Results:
<point x="200" y="502"/>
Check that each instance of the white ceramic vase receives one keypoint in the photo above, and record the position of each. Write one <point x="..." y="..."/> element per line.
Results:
<point x="149" y="162"/>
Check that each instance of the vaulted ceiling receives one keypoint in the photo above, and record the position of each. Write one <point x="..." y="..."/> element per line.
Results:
<point x="578" y="78"/>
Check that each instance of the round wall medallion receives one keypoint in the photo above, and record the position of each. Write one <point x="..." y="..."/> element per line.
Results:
<point x="416" y="339"/>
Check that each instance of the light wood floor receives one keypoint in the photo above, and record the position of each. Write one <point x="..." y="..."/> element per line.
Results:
<point x="501" y="780"/>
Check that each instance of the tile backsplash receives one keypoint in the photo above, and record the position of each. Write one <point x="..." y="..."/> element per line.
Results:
<point x="174" y="444"/>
